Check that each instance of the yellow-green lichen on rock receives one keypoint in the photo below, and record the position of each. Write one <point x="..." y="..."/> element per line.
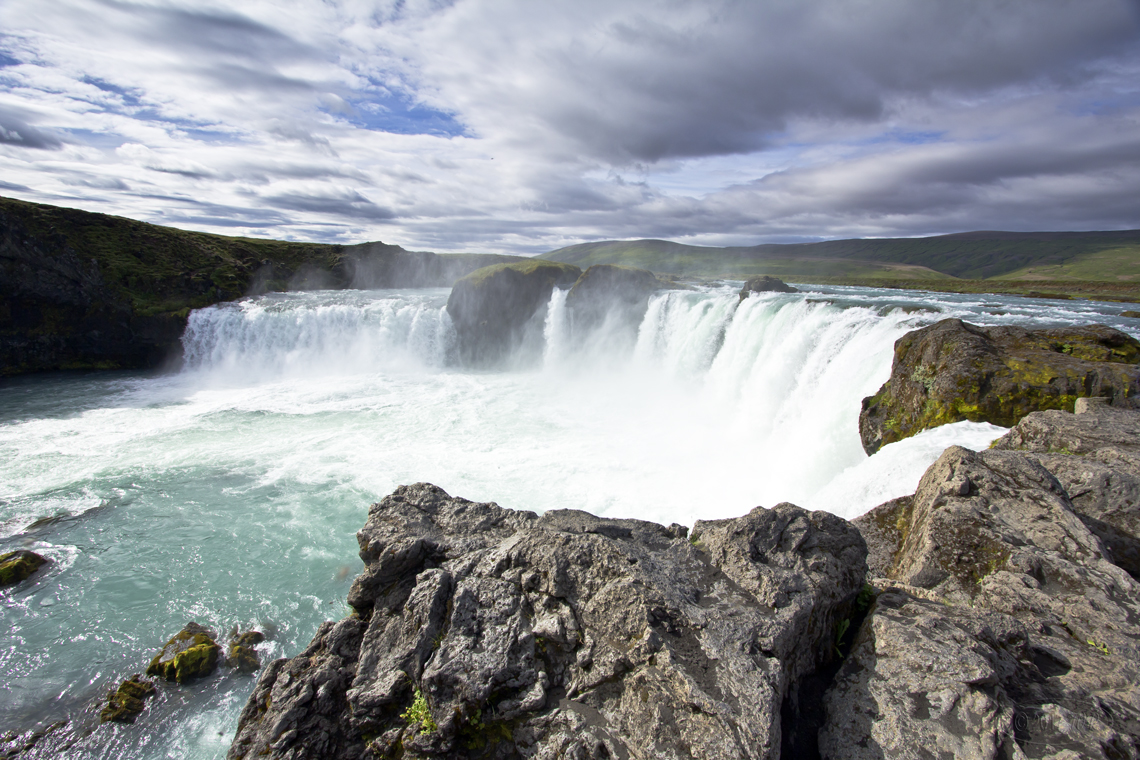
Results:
<point x="242" y="655"/>
<point x="191" y="653"/>
<point x="18" y="566"/>
<point x="126" y="702"/>
<point x="953" y="371"/>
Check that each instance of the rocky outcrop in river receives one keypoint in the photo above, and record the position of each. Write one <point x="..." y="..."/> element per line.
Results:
<point x="492" y="307"/>
<point x="606" y="291"/>
<point x="1002" y="623"/>
<point x="953" y="371"/>
<point x="765" y="284"/>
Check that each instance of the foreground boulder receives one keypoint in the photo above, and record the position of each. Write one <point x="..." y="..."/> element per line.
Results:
<point x="18" y="566"/>
<point x="1004" y="627"/>
<point x="953" y="371"/>
<point x="483" y="632"/>
<point x="191" y="653"/>
<point x="492" y="306"/>
<point x="765" y="284"/>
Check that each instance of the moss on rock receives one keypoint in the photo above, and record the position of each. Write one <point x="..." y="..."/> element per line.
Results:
<point x="18" y="566"/>
<point x="242" y="655"/>
<point x="125" y="703"/>
<point x="191" y="653"/>
<point x="953" y="371"/>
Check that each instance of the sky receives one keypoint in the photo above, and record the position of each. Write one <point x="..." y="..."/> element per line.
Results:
<point x="517" y="126"/>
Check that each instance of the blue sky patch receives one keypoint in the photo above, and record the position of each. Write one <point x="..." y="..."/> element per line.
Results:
<point x="401" y="115"/>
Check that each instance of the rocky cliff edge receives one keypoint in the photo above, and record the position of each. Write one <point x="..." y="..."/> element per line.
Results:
<point x="1003" y="622"/>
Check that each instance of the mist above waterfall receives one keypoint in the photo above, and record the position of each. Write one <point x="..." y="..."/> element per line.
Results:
<point x="700" y="404"/>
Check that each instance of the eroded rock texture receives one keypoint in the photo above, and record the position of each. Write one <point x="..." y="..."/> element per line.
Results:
<point x="564" y="635"/>
<point x="953" y="371"/>
<point x="1007" y="626"/>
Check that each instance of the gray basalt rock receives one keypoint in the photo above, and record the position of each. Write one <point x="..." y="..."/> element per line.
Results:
<point x="953" y="371"/>
<point x="484" y="632"/>
<point x="765" y="284"/>
<point x="1004" y="628"/>
<point x="607" y="291"/>
<point x="492" y="306"/>
<point x="1096" y="458"/>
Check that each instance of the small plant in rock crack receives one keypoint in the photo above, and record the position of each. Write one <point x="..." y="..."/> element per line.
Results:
<point x="840" y="630"/>
<point x="1102" y="648"/>
<point x="418" y="713"/>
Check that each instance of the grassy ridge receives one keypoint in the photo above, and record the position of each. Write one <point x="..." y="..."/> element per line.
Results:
<point x="157" y="269"/>
<point x="92" y="291"/>
<point x="1079" y="264"/>
<point x="1058" y="257"/>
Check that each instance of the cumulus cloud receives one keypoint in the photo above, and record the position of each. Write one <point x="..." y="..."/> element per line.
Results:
<point x="519" y="126"/>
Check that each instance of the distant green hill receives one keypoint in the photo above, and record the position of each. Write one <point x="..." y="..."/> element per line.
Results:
<point x="1048" y="256"/>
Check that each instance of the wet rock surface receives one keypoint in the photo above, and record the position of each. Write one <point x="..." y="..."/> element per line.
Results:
<point x="607" y="291"/>
<point x="127" y="702"/>
<point x="493" y="306"/>
<point x="191" y="653"/>
<point x="953" y="371"/>
<point x="1006" y="626"/>
<point x="765" y="284"/>
<point x="18" y="566"/>
<point x="242" y="655"/>
<point x="485" y="632"/>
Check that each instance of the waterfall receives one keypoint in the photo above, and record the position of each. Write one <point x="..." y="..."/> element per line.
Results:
<point x="319" y="333"/>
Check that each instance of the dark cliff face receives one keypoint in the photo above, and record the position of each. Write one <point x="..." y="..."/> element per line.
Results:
<point x="492" y="307"/>
<point x="91" y="291"/>
<point x="953" y="371"/>
<point x="605" y="291"/>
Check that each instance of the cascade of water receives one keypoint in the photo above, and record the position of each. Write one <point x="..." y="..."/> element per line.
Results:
<point x="306" y="333"/>
<point x="556" y="331"/>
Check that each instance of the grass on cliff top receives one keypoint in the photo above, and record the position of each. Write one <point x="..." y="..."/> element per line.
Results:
<point x="527" y="267"/>
<point x="158" y="268"/>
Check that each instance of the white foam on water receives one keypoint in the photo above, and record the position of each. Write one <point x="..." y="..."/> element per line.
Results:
<point x="895" y="469"/>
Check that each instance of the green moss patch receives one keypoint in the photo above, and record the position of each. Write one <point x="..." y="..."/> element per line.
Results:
<point x="191" y="653"/>
<point x="125" y="703"/>
<point x="19" y="565"/>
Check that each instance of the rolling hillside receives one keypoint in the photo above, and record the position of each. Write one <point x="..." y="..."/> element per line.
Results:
<point x="1017" y="256"/>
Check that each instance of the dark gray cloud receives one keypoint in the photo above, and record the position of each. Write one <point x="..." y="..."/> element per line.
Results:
<point x="346" y="203"/>
<point x="729" y="77"/>
<point x="14" y="130"/>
